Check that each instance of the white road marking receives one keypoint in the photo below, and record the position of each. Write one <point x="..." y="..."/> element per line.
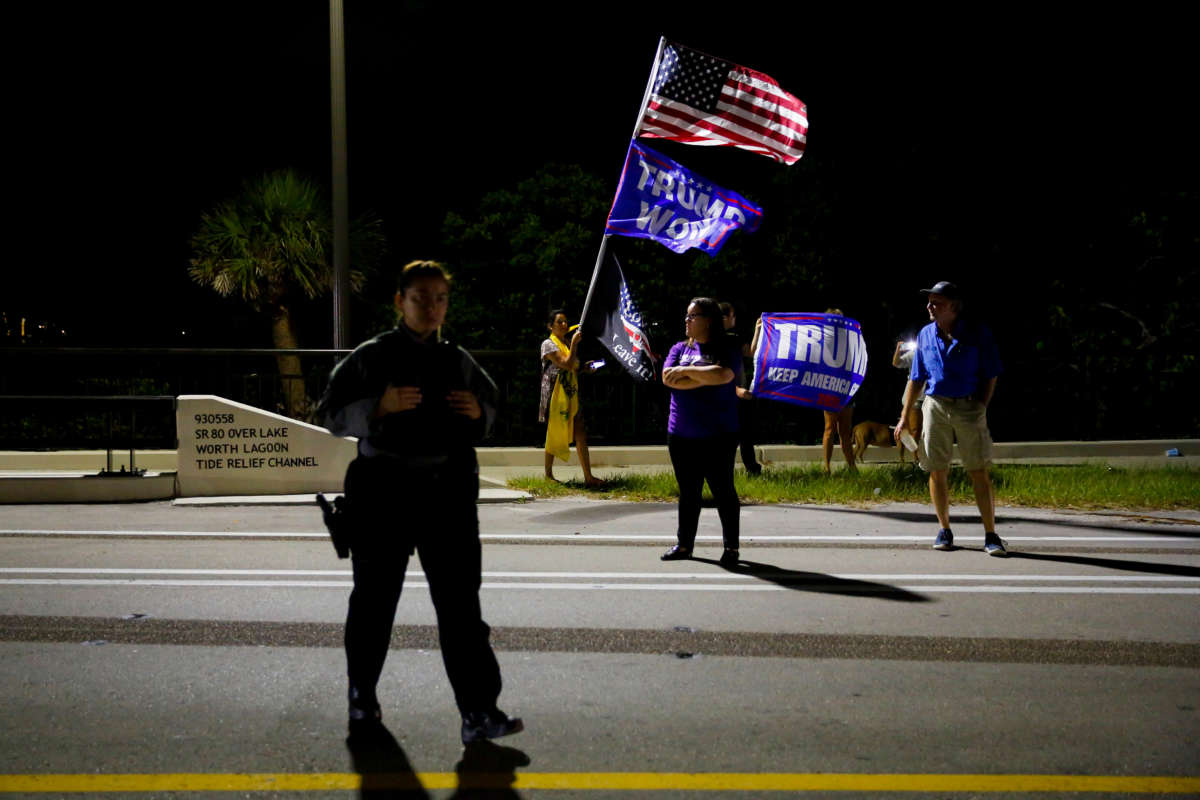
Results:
<point x="591" y="576"/>
<point x="161" y="571"/>
<point x="635" y="587"/>
<point x="631" y="537"/>
<point x="190" y="534"/>
<point x="614" y="537"/>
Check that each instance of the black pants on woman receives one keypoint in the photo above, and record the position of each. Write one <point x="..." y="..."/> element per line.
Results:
<point x="699" y="460"/>
<point x="433" y="512"/>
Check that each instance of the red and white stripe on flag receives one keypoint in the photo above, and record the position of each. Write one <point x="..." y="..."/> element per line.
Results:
<point x="700" y="99"/>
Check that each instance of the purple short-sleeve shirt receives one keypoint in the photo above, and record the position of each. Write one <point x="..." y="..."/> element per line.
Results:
<point x="707" y="410"/>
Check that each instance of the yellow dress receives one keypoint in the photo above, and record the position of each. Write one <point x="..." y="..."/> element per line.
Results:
<point x="564" y="404"/>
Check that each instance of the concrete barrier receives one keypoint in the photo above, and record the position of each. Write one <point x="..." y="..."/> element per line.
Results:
<point x="85" y="461"/>
<point x="227" y="448"/>
<point x="84" y="487"/>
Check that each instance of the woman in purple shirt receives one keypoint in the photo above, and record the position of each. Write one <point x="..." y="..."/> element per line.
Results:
<point x="702" y="433"/>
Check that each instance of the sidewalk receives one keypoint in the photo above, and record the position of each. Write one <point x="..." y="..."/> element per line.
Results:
<point x="500" y="464"/>
<point x="70" y="476"/>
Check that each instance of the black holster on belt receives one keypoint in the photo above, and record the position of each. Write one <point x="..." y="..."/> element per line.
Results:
<point x="339" y="522"/>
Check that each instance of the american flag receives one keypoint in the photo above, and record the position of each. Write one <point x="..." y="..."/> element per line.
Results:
<point x="699" y="99"/>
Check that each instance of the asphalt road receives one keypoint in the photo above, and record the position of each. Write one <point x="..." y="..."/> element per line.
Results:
<point x="198" y="649"/>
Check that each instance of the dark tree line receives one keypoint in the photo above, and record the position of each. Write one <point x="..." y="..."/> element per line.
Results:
<point x="1092" y="294"/>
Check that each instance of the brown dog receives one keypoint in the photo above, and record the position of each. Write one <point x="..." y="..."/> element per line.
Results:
<point x="874" y="433"/>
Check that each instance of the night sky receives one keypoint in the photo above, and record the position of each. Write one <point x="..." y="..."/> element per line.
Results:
<point x="1002" y="130"/>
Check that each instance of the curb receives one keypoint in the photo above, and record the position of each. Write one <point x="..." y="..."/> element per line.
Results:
<point x="71" y="476"/>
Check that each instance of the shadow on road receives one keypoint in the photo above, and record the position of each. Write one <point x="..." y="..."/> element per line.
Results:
<point x="605" y="512"/>
<point x="486" y="771"/>
<point x="817" y="581"/>
<point x="1182" y="570"/>
<point x="1155" y="527"/>
<point x="1114" y="563"/>
<point x="385" y="769"/>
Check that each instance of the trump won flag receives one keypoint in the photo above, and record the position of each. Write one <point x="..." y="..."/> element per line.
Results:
<point x="812" y="360"/>
<point x="663" y="200"/>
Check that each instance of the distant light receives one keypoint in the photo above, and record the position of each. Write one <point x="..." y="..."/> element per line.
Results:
<point x="909" y="345"/>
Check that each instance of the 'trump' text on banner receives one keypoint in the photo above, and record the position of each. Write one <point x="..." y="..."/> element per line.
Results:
<point x="813" y="360"/>
<point x="663" y="200"/>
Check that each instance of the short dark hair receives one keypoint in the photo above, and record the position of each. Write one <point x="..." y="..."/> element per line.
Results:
<point x="414" y="271"/>
<point x="726" y="309"/>
<point x="554" y="314"/>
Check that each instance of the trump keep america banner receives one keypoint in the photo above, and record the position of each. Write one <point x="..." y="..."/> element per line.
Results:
<point x="813" y="360"/>
<point x="663" y="200"/>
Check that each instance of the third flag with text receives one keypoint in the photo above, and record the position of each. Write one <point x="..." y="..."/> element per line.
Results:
<point x="613" y="318"/>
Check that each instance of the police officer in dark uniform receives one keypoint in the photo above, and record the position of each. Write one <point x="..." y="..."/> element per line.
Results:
<point x="417" y="404"/>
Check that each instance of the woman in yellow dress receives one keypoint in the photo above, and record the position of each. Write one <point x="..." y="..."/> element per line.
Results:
<point x="559" y="403"/>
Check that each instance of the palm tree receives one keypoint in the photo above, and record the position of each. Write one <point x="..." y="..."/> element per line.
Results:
<point x="271" y="245"/>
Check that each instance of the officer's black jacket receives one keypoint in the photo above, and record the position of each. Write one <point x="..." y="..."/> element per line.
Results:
<point x="399" y="358"/>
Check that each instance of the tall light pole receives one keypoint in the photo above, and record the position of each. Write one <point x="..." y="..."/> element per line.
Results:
<point x="341" y="190"/>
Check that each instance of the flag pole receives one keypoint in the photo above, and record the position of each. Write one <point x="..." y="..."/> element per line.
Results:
<point x="587" y="303"/>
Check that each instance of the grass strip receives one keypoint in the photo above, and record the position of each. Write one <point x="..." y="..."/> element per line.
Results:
<point x="1085" y="486"/>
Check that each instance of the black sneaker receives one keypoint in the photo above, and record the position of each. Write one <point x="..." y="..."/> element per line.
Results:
<point x="677" y="553"/>
<point x="493" y="724"/>
<point x="729" y="558"/>
<point x="364" y="710"/>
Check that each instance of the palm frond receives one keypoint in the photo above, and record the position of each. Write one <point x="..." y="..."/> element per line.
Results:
<point x="276" y="238"/>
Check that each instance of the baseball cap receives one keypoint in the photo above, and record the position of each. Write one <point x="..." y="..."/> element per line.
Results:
<point x="944" y="288"/>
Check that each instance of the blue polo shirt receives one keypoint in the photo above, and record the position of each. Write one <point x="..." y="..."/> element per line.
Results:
<point x="956" y="369"/>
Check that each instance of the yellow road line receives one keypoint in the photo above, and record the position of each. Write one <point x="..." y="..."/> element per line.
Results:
<point x="802" y="782"/>
<point x="612" y="781"/>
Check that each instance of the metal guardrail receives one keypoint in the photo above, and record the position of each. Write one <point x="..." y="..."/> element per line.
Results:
<point x="249" y="375"/>
<point x="110" y="405"/>
<point x="617" y="411"/>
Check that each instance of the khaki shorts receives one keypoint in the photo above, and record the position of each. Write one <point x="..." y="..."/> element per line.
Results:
<point x="946" y="420"/>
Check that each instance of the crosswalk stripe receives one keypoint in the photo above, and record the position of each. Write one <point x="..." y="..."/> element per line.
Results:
<point x="731" y="576"/>
<point x="630" y="587"/>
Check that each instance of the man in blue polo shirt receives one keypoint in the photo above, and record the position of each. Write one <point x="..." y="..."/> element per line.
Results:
<point x="957" y="363"/>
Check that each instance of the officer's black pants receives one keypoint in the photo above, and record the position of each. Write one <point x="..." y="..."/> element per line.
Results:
<point x="435" y="513"/>
<point x="696" y="461"/>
